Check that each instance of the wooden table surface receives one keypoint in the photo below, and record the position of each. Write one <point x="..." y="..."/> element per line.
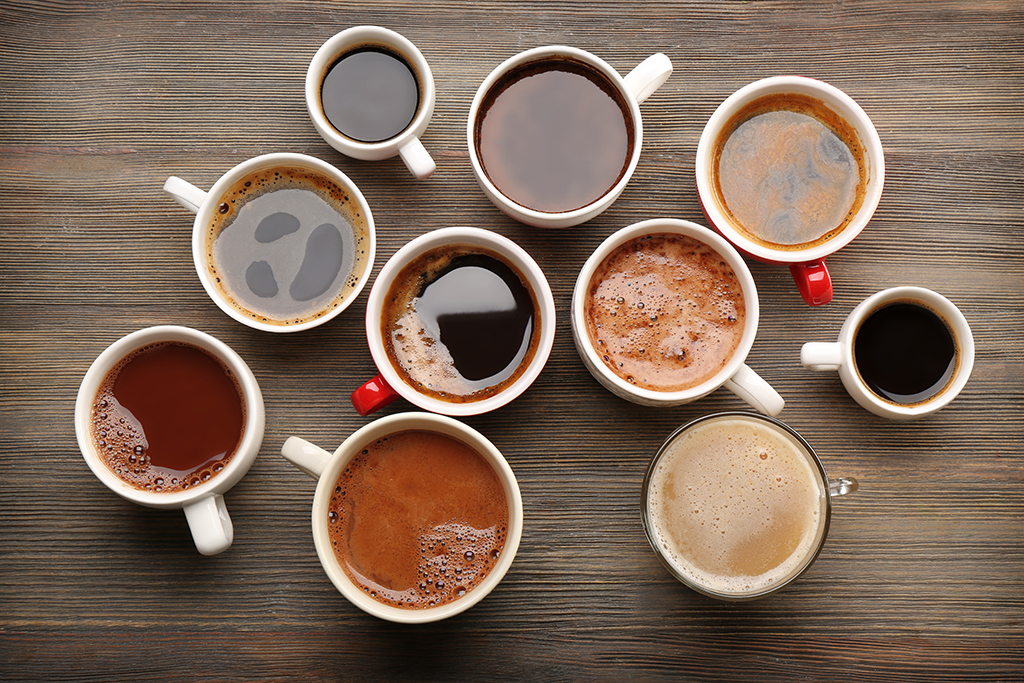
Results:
<point x="922" y="577"/>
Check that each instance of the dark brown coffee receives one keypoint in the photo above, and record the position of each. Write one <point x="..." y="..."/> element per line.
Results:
<point x="168" y="417"/>
<point x="370" y="94"/>
<point x="554" y="135"/>
<point x="905" y="353"/>
<point x="665" y="312"/>
<point x="460" y="323"/>
<point x="418" y="519"/>
<point x="287" y="245"/>
<point x="789" y="171"/>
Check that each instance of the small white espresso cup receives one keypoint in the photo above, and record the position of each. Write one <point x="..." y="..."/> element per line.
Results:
<point x="203" y="503"/>
<point x="389" y="384"/>
<point x="327" y="467"/>
<point x="406" y="143"/>
<point x="841" y="355"/>
<point x="205" y="206"/>
<point x="735" y="375"/>
<point x="636" y="87"/>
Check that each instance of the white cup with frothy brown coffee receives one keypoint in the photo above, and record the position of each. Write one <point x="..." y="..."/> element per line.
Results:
<point x="737" y="505"/>
<point x="665" y="312"/>
<point x="416" y="517"/>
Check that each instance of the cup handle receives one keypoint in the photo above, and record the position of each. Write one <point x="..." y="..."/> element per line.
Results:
<point x="648" y="76"/>
<point x="373" y="396"/>
<point x="749" y="386"/>
<point x="842" y="486"/>
<point x="210" y="524"/>
<point x="417" y="159"/>
<point x="821" y="355"/>
<point x="185" y="193"/>
<point x="813" y="281"/>
<point x="309" y="458"/>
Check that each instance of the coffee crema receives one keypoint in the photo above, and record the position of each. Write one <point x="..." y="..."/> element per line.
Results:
<point x="418" y="519"/>
<point x="370" y="94"/>
<point x="789" y="171"/>
<point x="905" y="352"/>
<point x="460" y="323"/>
<point x="665" y="312"/>
<point x="735" y="506"/>
<point x="168" y="417"/>
<point x="554" y="135"/>
<point x="287" y="245"/>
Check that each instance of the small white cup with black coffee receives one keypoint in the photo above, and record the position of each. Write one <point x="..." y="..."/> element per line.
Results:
<point x="282" y="242"/>
<point x="370" y="95"/>
<point x="169" y="417"/>
<point x="665" y="312"/>
<point x="902" y="353"/>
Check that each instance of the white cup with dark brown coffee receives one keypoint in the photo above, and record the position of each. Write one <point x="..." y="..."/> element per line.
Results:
<point x="416" y="516"/>
<point x="554" y="133"/>
<point x="737" y="505"/>
<point x="282" y="242"/>
<point x="459" y="321"/>
<point x="169" y="417"/>
<point x="665" y="312"/>
<point x="902" y="353"/>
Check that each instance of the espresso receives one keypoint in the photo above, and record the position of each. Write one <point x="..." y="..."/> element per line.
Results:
<point x="460" y="323"/>
<point x="370" y="94"/>
<point x="905" y="353"/>
<point x="789" y="171"/>
<point x="418" y="519"/>
<point x="287" y="245"/>
<point x="168" y="417"/>
<point x="735" y="506"/>
<point x="665" y="312"/>
<point x="554" y="135"/>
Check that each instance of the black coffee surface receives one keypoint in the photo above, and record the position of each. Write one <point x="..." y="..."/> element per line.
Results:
<point x="905" y="353"/>
<point x="370" y="95"/>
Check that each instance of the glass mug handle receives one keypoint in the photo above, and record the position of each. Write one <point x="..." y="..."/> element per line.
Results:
<point x="842" y="486"/>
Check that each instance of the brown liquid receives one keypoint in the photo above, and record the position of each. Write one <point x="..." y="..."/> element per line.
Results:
<point x="287" y="245"/>
<point x="554" y="135"/>
<point x="789" y="172"/>
<point x="168" y="417"/>
<point x="665" y="312"/>
<point x="418" y="519"/>
<point x="735" y="505"/>
<point x="370" y="94"/>
<point x="460" y="324"/>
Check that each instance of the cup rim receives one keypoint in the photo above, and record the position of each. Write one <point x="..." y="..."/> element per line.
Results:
<point x="823" y="490"/>
<point x="651" y="227"/>
<point x="555" y="218"/>
<point x="954" y="319"/>
<point x="389" y="425"/>
<point x="205" y="213"/>
<point x="837" y="100"/>
<point x="329" y="51"/>
<point x="252" y="436"/>
<point x="475" y="237"/>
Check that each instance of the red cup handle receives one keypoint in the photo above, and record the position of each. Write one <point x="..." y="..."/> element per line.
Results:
<point x="813" y="281"/>
<point x="373" y="396"/>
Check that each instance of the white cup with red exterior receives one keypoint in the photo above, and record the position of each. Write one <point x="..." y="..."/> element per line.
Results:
<point x="735" y="375"/>
<point x="203" y="503"/>
<point x="389" y="385"/>
<point x="807" y="265"/>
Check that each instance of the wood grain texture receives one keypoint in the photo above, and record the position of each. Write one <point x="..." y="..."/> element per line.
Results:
<point x="922" y="577"/>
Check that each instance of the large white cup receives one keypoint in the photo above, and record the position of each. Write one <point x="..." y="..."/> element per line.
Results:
<point x="204" y="506"/>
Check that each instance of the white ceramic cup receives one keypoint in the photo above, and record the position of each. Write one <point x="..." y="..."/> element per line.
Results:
<point x="389" y="385"/>
<point x="204" y="204"/>
<point x="839" y="355"/>
<point x="406" y="143"/>
<point x="735" y="375"/>
<point x="636" y="87"/>
<point x="807" y="265"/>
<point x="327" y="467"/>
<point x="204" y="506"/>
